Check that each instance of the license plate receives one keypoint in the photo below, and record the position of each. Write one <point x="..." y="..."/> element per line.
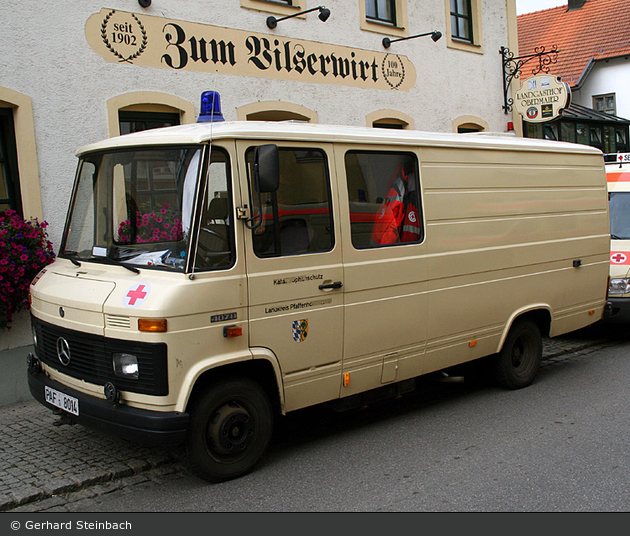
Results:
<point x="62" y="401"/>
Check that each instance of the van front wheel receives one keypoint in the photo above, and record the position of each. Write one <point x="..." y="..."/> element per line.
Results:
<point x="519" y="360"/>
<point x="229" y="429"/>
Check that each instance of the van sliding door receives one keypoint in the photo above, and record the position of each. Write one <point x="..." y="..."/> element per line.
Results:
<point x="385" y="319"/>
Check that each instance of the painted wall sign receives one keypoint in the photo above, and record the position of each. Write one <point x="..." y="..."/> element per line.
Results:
<point x="138" y="39"/>
<point x="542" y="98"/>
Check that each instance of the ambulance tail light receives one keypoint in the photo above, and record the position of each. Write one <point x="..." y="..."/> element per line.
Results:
<point x="154" y="325"/>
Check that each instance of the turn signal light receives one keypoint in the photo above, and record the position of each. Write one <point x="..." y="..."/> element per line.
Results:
<point x="152" y="324"/>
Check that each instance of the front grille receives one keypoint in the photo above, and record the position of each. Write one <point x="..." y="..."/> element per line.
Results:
<point x="91" y="358"/>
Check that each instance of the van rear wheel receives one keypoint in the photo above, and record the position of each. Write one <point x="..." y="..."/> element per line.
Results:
<point x="519" y="360"/>
<point x="229" y="429"/>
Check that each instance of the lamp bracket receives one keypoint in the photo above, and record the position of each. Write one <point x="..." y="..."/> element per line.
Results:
<point x="512" y="68"/>
<point x="435" y="35"/>
<point x="324" y="13"/>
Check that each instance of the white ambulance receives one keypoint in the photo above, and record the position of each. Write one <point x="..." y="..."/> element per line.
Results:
<point x="618" y="178"/>
<point x="214" y="276"/>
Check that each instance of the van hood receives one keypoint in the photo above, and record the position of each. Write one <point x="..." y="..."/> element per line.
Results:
<point x="74" y="301"/>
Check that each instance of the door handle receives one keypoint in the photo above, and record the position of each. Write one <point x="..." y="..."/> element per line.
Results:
<point x="336" y="284"/>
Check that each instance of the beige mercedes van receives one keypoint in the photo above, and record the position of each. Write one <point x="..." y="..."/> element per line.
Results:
<point x="214" y="276"/>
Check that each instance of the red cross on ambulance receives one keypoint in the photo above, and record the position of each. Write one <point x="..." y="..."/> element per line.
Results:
<point x="136" y="294"/>
<point x="618" y="257"/>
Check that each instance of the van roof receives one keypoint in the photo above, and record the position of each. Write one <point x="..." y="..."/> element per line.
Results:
<point x="197" y="133"/>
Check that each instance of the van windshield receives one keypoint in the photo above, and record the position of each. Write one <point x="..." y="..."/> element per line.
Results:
<point x="134" y="207"/>
<point x="620" y="215"/>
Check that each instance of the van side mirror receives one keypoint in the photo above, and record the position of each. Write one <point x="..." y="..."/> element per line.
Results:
<point x="266" y="168"/>
<point x="266" y="177"/>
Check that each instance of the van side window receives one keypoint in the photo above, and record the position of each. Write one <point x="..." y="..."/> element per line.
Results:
<point x="384" y="195"/>
<point x="297" y="218"/>
<point x="216" y="237"/>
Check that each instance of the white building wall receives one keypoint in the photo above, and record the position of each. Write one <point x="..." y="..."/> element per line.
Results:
<point x="611" y="76"/>
<point x="45" y="55"/>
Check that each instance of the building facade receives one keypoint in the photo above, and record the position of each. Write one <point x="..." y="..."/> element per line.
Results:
<point x="593" y="42"/>
<point x="78" y="71"/>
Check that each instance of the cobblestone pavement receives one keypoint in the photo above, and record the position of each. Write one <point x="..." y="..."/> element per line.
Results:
<point x="44" y="467"/>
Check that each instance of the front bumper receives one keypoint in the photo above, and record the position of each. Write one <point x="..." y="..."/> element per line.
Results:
<point x="139" y="425"/>
<point x="619" y="312"/>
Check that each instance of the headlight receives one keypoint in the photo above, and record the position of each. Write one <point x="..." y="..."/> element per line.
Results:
<point x="126" y="365"/>
<point x="618" y="287"/>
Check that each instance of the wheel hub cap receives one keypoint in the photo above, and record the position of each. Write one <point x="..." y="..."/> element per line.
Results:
<point x="231" y="429"/>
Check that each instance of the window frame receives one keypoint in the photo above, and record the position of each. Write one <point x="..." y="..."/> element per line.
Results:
<point x="27" y="169"/>
<point x="381" y="20"/>
<point x="467" y="18"/>
<point x="602" y="97"/>
<point x="418" y="193"/>
<point x="276" y="7"/>
<point x="156" y="119"/>
<point x="253" y="200"/>
<point x="203" y="211"/>
<point x="384" y="118"/>
<point x="9" y="162"/>
<point x="398" y="29"/>
<point x="475" y="44"/>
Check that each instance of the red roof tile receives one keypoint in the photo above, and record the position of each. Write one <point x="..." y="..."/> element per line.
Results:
<point x="599" y="30"/>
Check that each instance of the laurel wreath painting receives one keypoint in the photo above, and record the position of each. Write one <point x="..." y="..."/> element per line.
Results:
<point x="384" y="71"/>
<point x="143" y="46"/>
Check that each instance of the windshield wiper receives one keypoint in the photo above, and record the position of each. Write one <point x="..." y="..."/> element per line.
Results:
<point x="108" y="260"/>
<point x="615" y="237"/>
<point x="72" y="257"/>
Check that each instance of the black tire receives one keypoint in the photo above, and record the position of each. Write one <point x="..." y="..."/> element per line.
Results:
<point x="519" y="360"/>
<point x="229" y="429"/>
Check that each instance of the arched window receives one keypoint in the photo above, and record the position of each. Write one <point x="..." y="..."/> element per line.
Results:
<point x="275" y="111"/>
<point x="469" y="123"/>
<point x="390" y="119"/>
<point x="146" y="109"/>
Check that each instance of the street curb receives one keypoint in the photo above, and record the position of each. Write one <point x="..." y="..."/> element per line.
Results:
<point x="135" y="467"/>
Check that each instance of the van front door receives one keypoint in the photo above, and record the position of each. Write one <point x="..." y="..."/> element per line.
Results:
<point x="295" y="273"/>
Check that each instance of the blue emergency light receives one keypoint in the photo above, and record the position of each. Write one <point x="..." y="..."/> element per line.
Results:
<point x="210" y="107"/>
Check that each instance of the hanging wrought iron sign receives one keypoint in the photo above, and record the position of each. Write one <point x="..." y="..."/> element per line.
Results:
<point x="542" y="98"/>
<point x="512" y="68"/>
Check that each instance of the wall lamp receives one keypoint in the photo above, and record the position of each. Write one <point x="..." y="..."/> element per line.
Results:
<point x="324" y="13"/>
<point x="435" y="35"/>
<point x="144" y="3"/>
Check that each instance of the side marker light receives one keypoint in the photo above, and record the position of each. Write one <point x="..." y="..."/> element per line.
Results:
<point x="232" y="331"/>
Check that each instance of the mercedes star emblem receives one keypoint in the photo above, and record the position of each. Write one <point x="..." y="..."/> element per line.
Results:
<point x="63" y="351"/>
